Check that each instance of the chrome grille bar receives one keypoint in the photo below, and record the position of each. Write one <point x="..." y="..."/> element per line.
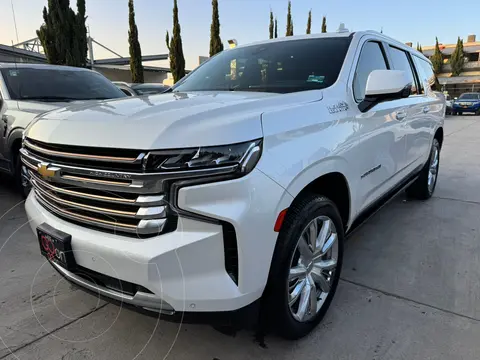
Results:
<point x="71" y="155"/>
<point x="154" y="200"/>
<point x="145" y="227"/>
<point x="141" y="213"/>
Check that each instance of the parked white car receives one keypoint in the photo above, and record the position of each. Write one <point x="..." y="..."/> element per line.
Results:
<point x="27" y="90"/>
<point x="234" y="192"/>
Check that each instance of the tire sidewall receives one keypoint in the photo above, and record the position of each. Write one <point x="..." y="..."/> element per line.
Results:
<point x="24" y="191"/>
<point x="284" y="251"/>
<point x="436" y="145"/>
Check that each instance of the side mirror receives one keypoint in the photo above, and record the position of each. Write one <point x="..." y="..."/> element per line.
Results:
<point x="385" y="85"/>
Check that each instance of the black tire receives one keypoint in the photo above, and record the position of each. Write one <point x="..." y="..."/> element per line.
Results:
<point x="478" y="112"/>
<point x="420" y="189"/>
<point x="22" y="185"/>
<point x="300" y="214"/>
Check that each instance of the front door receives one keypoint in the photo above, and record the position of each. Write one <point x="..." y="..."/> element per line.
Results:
<point x="380" y="152"/>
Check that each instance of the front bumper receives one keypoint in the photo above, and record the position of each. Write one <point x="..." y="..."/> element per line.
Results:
<point x="184" y="270"/>
<point x="466" y="108"/>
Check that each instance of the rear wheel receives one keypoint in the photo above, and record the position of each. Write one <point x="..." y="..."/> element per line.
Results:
<point x="424" y="186"/>
<point x="305" y="268"/>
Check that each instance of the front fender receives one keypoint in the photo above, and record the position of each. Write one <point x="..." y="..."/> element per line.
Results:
<point x="300" y="175"/>
<point x="14" y="136"/>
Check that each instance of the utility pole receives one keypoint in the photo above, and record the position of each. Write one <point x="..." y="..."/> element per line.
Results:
<point x="90" y="49"/>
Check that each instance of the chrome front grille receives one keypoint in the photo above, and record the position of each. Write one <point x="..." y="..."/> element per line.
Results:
<point x="127" y="202"/>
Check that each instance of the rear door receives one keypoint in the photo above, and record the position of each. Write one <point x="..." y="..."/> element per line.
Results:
<point x="421" y="128"/>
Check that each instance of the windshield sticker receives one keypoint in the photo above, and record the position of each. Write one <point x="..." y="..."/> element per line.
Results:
<point x="339" y="107"/>
<point x="316" y="79"/>
<point x="13" y="73"/>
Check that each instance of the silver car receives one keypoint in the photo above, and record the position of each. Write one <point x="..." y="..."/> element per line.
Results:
<point x="141" y="89"/>
<point x="27" y="90"/>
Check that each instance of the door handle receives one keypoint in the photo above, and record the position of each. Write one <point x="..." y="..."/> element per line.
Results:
<point x="426" y="109"/>
<point x="401" y="115"/>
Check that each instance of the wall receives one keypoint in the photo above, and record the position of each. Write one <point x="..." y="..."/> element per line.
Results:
<point x="20" y="59"/>
<point x="124" y="75"/>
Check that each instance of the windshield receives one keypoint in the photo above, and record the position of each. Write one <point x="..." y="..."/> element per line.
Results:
<point x="149" y="89"/>
<point x="279" y="67"/>
<point x="58" y="85"/>
<point x="469" y="97"/>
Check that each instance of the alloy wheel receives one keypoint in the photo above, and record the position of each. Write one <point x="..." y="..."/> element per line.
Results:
<point x="312" y="268"/>
<point x="433" y="169"/>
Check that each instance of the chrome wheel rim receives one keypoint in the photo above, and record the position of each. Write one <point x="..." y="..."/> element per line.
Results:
<point x="433" y="170"/>
<point x="312" y="268"/>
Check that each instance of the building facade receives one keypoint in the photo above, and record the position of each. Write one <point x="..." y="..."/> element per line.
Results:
<point x="469" y="79"/>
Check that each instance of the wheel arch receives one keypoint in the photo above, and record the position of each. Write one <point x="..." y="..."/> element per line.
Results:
<point x="13" y="146"/>
<point x="333" y="185"/>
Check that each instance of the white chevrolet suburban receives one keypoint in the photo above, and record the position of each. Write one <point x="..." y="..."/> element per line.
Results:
<point x="235" y="190"/>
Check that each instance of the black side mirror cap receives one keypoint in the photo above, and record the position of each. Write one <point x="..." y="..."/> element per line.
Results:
<point x="371" y="100"/>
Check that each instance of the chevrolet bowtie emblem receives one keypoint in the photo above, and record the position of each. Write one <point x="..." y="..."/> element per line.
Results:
<point x="45" y="171"/>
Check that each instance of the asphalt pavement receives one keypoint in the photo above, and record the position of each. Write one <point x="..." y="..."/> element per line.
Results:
<point x="409" y="289"/>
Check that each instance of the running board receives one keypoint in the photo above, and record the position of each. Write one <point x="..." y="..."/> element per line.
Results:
<point x="380" y="203"/>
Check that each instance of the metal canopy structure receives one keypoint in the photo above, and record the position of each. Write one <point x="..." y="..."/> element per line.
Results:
<point x="35" y="46"/>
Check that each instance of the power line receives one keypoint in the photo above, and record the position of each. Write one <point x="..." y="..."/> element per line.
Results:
<point x="14" y="20"/>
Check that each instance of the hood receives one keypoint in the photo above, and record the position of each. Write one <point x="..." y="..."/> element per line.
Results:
<point x="39" y="107"/>
<point x="164" y="121"/>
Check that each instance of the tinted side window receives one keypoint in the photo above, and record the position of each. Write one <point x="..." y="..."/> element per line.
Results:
<point x="428" y="76"/>
<point x="126" y="92"/>
<point x="371" y="58"/>
<point x="422" y="77"/>
<point x="400" y="62"/>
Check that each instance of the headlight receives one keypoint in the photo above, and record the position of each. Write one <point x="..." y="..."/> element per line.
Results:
<point x="240" y="157"/>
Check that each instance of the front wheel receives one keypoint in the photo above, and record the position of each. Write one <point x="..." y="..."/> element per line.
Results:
<point x="22" y="178"/>
<point x="305" y="268"/>
<point x="424" y="186"/>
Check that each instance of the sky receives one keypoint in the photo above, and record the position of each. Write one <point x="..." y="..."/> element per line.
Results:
<point x="248" y="20"/>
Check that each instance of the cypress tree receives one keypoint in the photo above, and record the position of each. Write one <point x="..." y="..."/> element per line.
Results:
<point x="271" y="27"/>
<point x="46" y="34"/>
<point x="177" y="60"/>
<point x="324" y="24"/>
<point x="437" y="59"/>
<point x="136" y="67"/>
<point x="81" y="33"/>
<point x="458" y="58"/>
<point x="276" y="28"/>
<point x="289" y="20"/>
<point x="309" y="22"/>
<point x="216" y="45"/>
<point x="63" y="34"/>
